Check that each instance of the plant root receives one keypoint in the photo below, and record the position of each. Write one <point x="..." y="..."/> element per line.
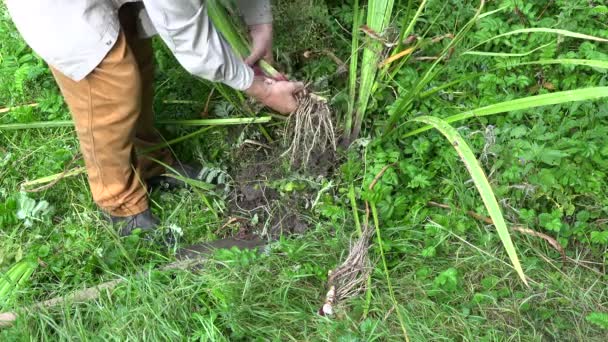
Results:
<point x="350" y="278"/>
<point x="309" y="129"/>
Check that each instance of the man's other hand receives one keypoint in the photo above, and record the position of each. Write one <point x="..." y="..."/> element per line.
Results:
<point x="261" y="39"/>
<point x="278" y="95"/>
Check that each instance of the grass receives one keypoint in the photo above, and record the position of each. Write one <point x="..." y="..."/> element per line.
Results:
<point x="438" y="274"/>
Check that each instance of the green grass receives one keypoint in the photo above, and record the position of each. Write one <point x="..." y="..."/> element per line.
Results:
<point x="544" y="155"/>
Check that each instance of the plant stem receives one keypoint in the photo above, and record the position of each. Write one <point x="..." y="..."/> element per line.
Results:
<point x="197" y="122"/>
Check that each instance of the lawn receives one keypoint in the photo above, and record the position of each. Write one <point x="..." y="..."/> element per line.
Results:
<point x="497" y="233"/>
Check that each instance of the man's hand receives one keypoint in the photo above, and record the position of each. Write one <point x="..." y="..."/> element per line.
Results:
<point x="261" y="39"/>
<point x="278" y="95"/>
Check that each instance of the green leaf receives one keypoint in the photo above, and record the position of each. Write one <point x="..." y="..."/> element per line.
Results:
<point x="482" y="184"/>
<point x="546" y="30"/>
<point x="599" y="237"/>
<point x="551" y="221"/>
<point x="525" y="103"/>
<point x="552" y="157"/>
<point x="598" y="318"/>
<point x="447" y="280"/>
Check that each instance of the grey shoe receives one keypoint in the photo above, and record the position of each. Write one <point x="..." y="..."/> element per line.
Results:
<point x="183" y="170"/>
<point x="149" y="225"/>
<point x="145" y="221"/>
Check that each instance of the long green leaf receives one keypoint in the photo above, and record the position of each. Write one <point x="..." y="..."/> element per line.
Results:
<point x="201" y="122"/>
<point x="597" y="64"/>
<point x="505" y="54"/>
<point x="407" y="30"/>
<point x="526" y="103"/>
<point x="588" y="62"/>
<point x="482" y="184"/>
<point x="228" y="25"/>
<point x="546" y="30"/>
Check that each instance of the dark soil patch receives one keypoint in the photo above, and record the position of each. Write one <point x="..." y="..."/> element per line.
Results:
<point x="255" y="171"/>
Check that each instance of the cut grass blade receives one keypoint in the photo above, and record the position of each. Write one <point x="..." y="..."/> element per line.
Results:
<point x="525" y="103"/>
<point x="482" y="184"/>
<point x="201" y="122"/>
<point x="386" y="273"/>
<point x="8" y="109"/>
<point x="505" y="54"/>
<point x="545" y="30"/>
<point x="217" y="122"/>
<point x="80" y="170"/>
<point x="593" y="63"/>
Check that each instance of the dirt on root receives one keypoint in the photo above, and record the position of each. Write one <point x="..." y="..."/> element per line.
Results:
<point x="260" y="208"/>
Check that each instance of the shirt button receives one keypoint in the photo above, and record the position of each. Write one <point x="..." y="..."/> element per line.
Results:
<point x="109" y="42"/>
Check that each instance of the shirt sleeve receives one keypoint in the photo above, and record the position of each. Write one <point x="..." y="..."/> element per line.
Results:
<point x="255" y="11"/>
<point x="190" y="35"/>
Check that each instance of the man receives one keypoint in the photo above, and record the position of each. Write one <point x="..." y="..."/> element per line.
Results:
<point x="100" y="54"/>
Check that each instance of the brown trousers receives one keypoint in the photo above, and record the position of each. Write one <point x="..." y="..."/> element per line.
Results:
<point x="113" y="116"/>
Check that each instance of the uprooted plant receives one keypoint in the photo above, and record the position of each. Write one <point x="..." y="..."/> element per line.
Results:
<point x="310" y="128"/>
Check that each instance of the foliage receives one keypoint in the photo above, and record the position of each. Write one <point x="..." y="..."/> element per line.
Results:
<point x="13" y="280"/>
<point x="531" y="107"/>
<point x="598" y="318"/>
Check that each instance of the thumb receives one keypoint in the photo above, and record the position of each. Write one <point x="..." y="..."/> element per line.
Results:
<point x="255" y="56"/>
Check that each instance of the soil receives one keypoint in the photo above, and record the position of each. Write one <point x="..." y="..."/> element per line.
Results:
<point x="278" y="214"/>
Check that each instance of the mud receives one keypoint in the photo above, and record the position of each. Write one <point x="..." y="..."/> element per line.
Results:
<point x="277" y="214"/>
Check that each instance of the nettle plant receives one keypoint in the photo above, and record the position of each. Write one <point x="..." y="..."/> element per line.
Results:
<point x="381" y="62"/>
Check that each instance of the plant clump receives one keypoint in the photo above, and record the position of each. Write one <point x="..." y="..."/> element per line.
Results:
<point x="309" y="129"/>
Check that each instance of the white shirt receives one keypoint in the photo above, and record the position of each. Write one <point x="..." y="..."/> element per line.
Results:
<point x="75" y="35"/>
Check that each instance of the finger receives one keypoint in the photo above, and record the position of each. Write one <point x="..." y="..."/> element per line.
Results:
<point x="255" y="56"/>
<point x="268" y="57"/>
<point x="280" y="77"/>
<point x="269" y="80"/>
<point x="296" y="87"/>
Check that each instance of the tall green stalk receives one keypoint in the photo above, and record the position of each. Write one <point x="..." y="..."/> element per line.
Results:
<point x="379" y="13"/>
<point x="353" y="68"/>
<point x="225" y="19"/>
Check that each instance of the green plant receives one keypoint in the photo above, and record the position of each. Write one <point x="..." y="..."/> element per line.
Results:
<point x="13" y="280"/>
<point x="378" y="16"/>
<point x="598" y="318"/>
